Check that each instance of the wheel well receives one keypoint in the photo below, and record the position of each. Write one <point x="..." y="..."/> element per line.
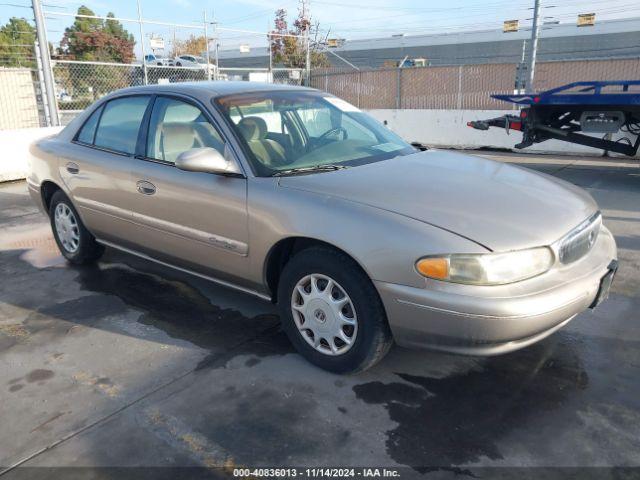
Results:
<point x="47" y="189"/>
<point x="282" y="252"/>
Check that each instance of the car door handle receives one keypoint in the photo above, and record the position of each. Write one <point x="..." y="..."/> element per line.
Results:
<point x="72" y="168"/>
<point x="146" y="188"/>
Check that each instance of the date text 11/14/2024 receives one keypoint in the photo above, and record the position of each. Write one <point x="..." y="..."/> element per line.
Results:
<point x="316" y="472"/>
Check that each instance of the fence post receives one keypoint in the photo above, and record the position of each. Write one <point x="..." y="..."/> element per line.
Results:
<point x="43" y="89"/>
<point x="459" y="103"/>
<point x="47" y="71"/>
<point x="359" y="86"/>
<point x="206" y="42"/>
<point x="144" y="60"/>
<point x="399" y="88"/>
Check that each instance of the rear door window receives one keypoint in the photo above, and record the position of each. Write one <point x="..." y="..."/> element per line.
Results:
<point x="88" y="130"/>
<point x="120" y="123"/>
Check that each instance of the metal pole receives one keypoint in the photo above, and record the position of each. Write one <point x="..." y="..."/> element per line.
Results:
<point x="270" y="56"/>
<point x="459" y="104"/>
<point x="217" y="57"/>
<point x="359" y="87"/>
<point x="206" y="42"/>
<point x="399" y="88"/>
<point x="43" y="88"/>
<point x="308" y="60"/>
<point x="47" y="72"/>
<point x="144" y="61"/>
<point x="535" y="33"/>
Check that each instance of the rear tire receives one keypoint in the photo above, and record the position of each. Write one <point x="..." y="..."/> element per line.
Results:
<point x="75" y="242"/>
<point x="349" y="320"/>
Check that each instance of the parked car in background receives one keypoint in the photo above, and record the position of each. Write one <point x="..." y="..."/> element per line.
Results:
<point x="297" y="197"/>
<point x="152" y="59"/>
<point x="190" y="61"/>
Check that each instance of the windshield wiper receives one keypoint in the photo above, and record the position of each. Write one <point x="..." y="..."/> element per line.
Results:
<point x="315" y="168"/>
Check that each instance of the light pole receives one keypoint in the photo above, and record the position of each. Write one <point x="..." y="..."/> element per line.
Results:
<point x="535" y="33"/>
<point x="144" y="60"/>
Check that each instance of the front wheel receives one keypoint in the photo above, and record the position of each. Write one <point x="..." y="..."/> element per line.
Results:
<point x="331" y="311"/>
<point x="75" y="242"/>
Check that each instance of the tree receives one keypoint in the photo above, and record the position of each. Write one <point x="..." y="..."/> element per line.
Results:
<point x="277" y="36"/>
<point x="290" y="50"/>
<point x="191" y="46"/>
<point x="92" y="39"/>
<point x="17" y="38"/>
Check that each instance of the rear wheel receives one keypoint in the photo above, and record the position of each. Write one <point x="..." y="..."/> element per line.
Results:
<point x="75" y="242"/>
<point x="331" y="311"/>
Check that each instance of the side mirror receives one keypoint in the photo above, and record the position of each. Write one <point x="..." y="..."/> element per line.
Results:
<point x="207" y="160"/>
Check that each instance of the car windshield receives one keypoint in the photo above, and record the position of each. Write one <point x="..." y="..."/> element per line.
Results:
<point x="299" y="132"/>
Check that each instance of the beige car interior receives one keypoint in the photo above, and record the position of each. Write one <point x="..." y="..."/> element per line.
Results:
<point x="172" y="138"/>
<point x="177" y="127"/>
<point x="267" y="151"/>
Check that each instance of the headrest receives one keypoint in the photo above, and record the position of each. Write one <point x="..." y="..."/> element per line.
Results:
<point x="253" y="128"/>
<point x="178" y="138"/>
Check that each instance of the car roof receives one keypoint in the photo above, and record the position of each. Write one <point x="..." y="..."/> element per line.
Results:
<point x="214" y="88"/>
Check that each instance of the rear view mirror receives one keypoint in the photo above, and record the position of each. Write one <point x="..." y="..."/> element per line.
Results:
<point x="207" y="160"/>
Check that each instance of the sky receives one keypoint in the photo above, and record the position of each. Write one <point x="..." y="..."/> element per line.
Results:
<point x="348" y="19"/>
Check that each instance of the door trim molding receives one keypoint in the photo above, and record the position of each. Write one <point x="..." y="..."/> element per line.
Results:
<point x="218" y="281"/>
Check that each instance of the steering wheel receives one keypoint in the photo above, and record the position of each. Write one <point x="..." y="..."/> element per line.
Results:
<point x="331" y="131"/>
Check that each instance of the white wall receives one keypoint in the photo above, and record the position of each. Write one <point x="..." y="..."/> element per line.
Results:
<point x="14" y="148"/>
<point x="439" y="128"/>
<point x="448" y="128"/>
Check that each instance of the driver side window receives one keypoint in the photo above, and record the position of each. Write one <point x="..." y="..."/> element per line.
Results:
<point x="176" y="127"/>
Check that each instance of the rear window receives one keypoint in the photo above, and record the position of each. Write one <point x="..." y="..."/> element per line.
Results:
<point x="120" y="123"/>
<point x="88" y="130"/>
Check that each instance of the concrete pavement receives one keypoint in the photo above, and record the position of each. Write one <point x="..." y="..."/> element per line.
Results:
<point x="130" y="364"/>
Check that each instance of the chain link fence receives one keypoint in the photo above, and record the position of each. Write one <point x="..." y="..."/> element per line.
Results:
<point x="79" y="84"/>
<point x="461" y="87"/>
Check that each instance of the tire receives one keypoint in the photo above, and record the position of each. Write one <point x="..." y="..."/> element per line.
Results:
<point x="370" y="335"/>
<point x="81" y="252"/>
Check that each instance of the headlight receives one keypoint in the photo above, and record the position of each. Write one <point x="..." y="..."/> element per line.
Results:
<point x="487" y="268"/>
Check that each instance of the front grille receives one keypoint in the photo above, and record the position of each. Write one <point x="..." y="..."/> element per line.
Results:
<point x="580" y="240"/>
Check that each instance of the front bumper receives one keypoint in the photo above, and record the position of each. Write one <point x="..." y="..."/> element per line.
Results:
<point x="480" y="320"/>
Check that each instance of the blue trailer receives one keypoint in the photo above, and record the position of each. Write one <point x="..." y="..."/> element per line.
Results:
<point x="566" y="113"/>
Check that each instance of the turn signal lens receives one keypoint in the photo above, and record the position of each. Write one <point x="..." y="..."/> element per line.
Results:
<point x="487" y="268"/>
<point x="434" y="267"/>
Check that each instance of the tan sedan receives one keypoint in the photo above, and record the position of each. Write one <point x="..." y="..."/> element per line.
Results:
<point x="298" y="197"/>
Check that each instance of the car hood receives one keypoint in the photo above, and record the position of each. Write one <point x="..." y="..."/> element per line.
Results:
<point x="497" y="205"/>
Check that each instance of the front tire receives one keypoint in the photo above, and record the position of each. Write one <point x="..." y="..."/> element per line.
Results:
<point x="331" y="311"/>
<point x="75" y="242"/>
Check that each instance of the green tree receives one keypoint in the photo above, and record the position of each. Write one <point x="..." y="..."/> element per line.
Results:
<point x="92" y="39"/>
<point x="115" y="28"/>
<point x="17" y="38"/>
